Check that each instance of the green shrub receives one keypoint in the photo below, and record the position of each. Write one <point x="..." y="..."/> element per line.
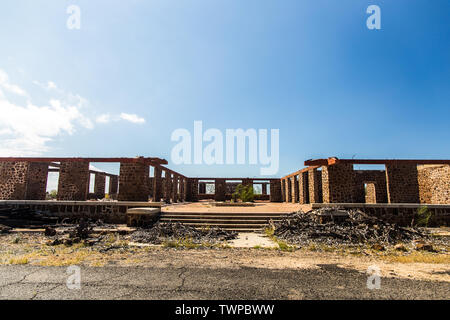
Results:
<point x="245" y="193"/>
<point x="422" y="217"/>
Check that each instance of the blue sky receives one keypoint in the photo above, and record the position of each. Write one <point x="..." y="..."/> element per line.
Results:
<point x="138" y="70"/>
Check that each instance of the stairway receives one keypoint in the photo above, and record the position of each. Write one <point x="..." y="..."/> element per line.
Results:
<point x="240" y="222"/>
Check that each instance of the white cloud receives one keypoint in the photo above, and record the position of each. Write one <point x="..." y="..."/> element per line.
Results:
<point x="132" y="118"/>
<point x="26" y="129"/>
<point x="4" y="83"/>
<point x="107" y="118"/>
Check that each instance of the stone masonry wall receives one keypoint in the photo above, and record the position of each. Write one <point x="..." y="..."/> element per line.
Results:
<point x="113" y="185"/>
<point x="157" y="184"/>
<point x="220" y="189"/>
<point x="315" y="186"/>
<point x="133" y="181"/>
<point x="338" y="183"/>
<point x="434" y="184"/>
<point x="303" y="188"/>
<point x="377" y="178"/>
<point x="99" y="185"/>
<point x="37" y="181"/>
<point x="13" y="177"/>
<point x="275" y="191"/>
<point x="73" y="181"/>
<point x="294" y="187"/>
<point x="402" y="183"/>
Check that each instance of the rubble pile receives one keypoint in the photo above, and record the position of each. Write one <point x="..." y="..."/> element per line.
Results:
<point x="356" y="228"/>
<point x="25" y="217"/>
<point x="174" y="231"/>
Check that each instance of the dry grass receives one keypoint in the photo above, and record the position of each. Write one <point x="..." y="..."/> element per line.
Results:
<point x="418" y="257"/>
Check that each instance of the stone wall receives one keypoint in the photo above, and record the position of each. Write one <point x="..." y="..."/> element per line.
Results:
<point x="434" y="184"/>
<point x="377" y="181"/>
<point x="113" y="186"/>
<point x="275" y="191"/>
<point x="220" y="189"/>
<point x="157" y="185"/>
<point x="99" y="185"/>
<point x="167" y="187"/>
<point x="402" y="183"/>
<point x="175" y="182"/>
<point x="294" y="187"/>
<point x="303" y="188"/>
<point x="315" y="186"/>
<point x="73" y="181"/>
<point x="192" y="190"/>
<point x="37" y="181"/>
<point x="133" y="181"/>
<point x="13" y="178"/>
<point x="338" y="183"/>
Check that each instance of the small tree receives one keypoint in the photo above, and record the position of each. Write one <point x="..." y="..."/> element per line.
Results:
<point x="422" y="217"/>
<point x="245" y="193"/>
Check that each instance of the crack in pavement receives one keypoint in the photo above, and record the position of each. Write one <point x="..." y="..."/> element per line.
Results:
<point x="183" y="279"/>
<point x="21" y="280"/>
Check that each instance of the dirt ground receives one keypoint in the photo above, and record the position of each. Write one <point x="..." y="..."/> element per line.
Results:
<point x="116" y="250"/>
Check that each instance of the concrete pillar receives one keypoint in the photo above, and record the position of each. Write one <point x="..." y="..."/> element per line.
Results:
<point x="402" y="183"/>
<point x="303" y="188"/>
<point x="13" y="180"/>
<point x="73" y="180"/>
<point x="133" y="181"/>
<point x="168" y="187"/>
<point x="157" y="185"/>
<point x="338" y="184"/>
<point x="175" y="188"/>
<point x="275" y="191"/>
<point x="314" y="184"/>
<point x="220" y="189"/>
<point x="294" y="187"/>
<point x="113" y="186"/>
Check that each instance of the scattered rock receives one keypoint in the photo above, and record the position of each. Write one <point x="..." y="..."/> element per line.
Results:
<point x="424" y="247"/>
<point x="4" y="229"/>
<point x="400" y="247"/>
<point x="378" y="247"/>
<point x="50" y="232"/>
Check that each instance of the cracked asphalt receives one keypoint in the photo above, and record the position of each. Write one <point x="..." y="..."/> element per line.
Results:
<point x="327" y="282"/>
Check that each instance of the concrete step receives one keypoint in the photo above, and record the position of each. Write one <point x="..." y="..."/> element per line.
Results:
<point x="234" y="226"/>
<point x="223" y="217"/>
<point x="216" y="221"/>
<point x="249" y="214"/>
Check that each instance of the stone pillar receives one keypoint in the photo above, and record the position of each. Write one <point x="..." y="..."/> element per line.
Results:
<point x="220" y="189"/>
<point x="168" y="187"/>
<point x="314" y="186"/>
<point x="37" y="181"/>
<point x="73" y="180"/>
<point x="264" y="188"/>
<point x="157" y="185"/>
<point x="13" y="180"/>
<point x="294" y="187"/>
<point x="338" y="184"/>
<point x="175" y="188"/>
<point x="183" y="189"/>
<point x="402" y="183"/>
<point x="288" y="192"/>
<point x="99" y="185"/>
<point x="133" y="181"/>
<point x="150" y="186"/>
<point x="275" y="191"/>
<point x="202" y="187"/>
<point x="283" y="190"/>
<point x="303" y="188"/>
<point x="192" y="190"/>
<point x="113" y="186"/>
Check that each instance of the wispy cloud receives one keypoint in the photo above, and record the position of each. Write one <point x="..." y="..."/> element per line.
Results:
<point x="26" y="129"/>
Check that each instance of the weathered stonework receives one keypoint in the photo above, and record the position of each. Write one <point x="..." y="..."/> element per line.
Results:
<point x="288" y="190"/>
<point x="294" y="188"/>
<point x="157" y="185"/>
<point x="133" y="181"/>
<point x="434" y="184"/>
<point x="264" y="188"/>
<point x="192" y="190"/>
<point x="402" y="183"/>
<point x="99" y="185"/>
<point x="113" y="186"/>
<point x="13" y="180"/>
<point x="220" y="189"/>
<point x="377" y="181"/>
<point x="337" y="183"/>
<point x="315" y="186"/>
<point x="73" y="181"/>
<point x="275" y="191"/>
<point x="167" y="187"/>
<point x="175" y="188"/>
<point x="303" y="188"/>
<point x="36" y="181"/>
